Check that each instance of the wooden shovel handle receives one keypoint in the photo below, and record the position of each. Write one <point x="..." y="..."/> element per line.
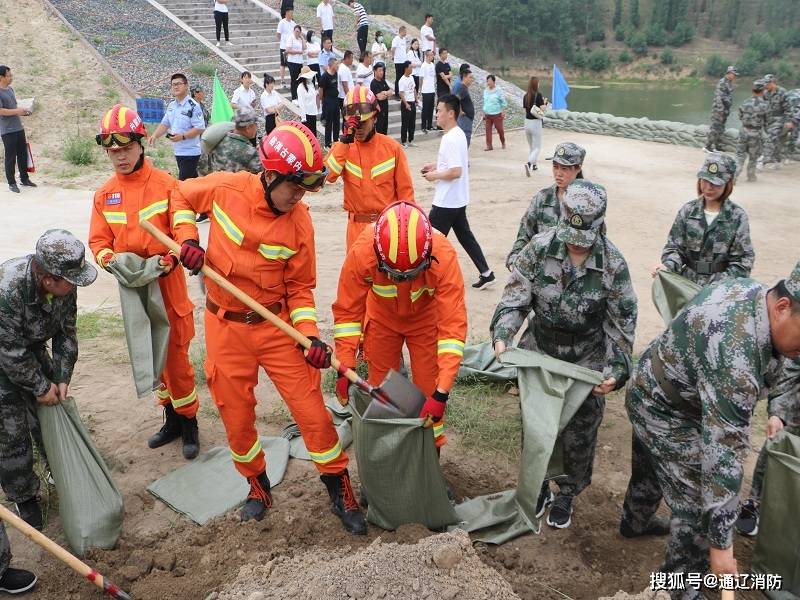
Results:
<point x="727" y="595"/>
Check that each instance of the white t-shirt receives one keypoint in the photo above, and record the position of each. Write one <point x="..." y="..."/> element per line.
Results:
<point x="364" y="74"/>
<point x="286" y="30"/>
<point x="311" y="47"/>
<point x="416" y="62"/>
<point x="407" y="85"/>
<point x="294" y="44"/>
<point x="428" y="73"/>
<point x="345" y="74"/>
<point x="269" y="100"/>
<point x="424" y="42"/>
<point x="711" y="217"/>
<point x="243" y="97"/>
<point x="379" y="50"/>
<point x="399" y="49"/>
<point x="325" y="15"/>
<point x="453" y="152"/>
<point x="220" y="7"/>
<point x="307" y="99"/>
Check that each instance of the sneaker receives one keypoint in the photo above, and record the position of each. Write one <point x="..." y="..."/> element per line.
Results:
<point x="534" y="167"/>
<point x="201" y="217"/>
<point x="560" y="515"/>
<point x="13" y="187"/>
<point x="656" y="526"/>
<point x="229" y="43"/>
<point x="30" y="512"/>
<point x="545" y="499"/>
<point x="218" y="44"/>
<point x="747" y="523"/>
<point x="404" y="145"/>
<point x="29" y="183"/>
<point x="412" y="145"/>
<point x="484" y="282"/>
<point x="527" y="169"/>
<point x="707" y="149"/>
<point x="17" y="581"/>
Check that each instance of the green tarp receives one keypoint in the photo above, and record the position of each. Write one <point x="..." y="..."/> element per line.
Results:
<point x="89" y="502"/>
<point x="671" y="292"/>
<point x="777" y="550"/>
<point x="480" y="363"/>
<point x="551" y="391"/>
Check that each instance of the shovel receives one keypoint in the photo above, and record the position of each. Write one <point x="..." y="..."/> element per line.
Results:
<point x="377" y="393"/>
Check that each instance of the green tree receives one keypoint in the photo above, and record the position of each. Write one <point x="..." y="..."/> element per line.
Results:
<point x="667" y="57"/>
<point x="599" y="60"/>
<point x="625" y="57"/>
<point x="636" y="19"/>
<point x="616" y="21"/>
<point x="715" y="65"/>
<point x="638" y="43"/>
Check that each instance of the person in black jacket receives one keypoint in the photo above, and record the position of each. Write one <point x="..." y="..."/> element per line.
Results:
<point x="382" y="92"/>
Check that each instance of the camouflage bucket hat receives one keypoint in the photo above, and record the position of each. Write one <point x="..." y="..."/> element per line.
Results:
<point x="568" y="154"/>
<point x="759" y="85"/>
<point x="584" y="213"/>
<point x="62" y="254"/>
<point x="717" y="168"/>
<point x="245" y="116"/>
<point x="792" y="283"/>
<point x="732" y="69"/>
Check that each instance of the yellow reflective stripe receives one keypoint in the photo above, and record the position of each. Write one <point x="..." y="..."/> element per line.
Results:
<point x="162" y="393"/>
<point x="304" y="313"/>
<point x="450" y="345"/>
<point x="383" y="167"/>
<point x="250" y="455"/>
<point x="228" y="226"/>
<point x="341" y="330"/>
<point x="186" y="400"/>
<point x="415" y="295"/>
<point x="115" y="218"/>
<point x="385" y="291"/>
<point x="104" y="252"/>
<point x="353" y="168"/>
<point x="156" y="208"/>
<point x="438" y="430"/>
<point x="276" y="252"/>
<point x="394" y="241"/>
<point x="411" y="236"/>
<point x="333" y="165"/>
<point x="325" y="457"/>
<point x="183" y="216"/>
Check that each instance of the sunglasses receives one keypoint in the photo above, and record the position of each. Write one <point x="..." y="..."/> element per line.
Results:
<point x="311" y="181"/>
<point x="362" y="108"/>
<point x="119" y="139"/>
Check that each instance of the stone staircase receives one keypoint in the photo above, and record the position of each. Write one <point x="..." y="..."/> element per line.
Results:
<point x="255" y="47"/>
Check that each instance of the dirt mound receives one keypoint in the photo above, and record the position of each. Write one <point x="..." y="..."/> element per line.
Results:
<point x="442" y="566"/>
<point x="645" y="595"/>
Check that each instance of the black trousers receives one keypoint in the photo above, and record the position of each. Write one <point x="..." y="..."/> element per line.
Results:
<point x="269" y="123"/>
<point x="294" y="72"/>
<point x="427" y="111"/>
<point x="16" y="148"/>
<point x="361" y="37"/>
<point x="445" y="219"/>
<point x="311" y="123"/>
<point x="330" y="111"/>
<point x="408" y="118"/>
<point x="382" y="121"/>
<point x="221" y="21"/>
<point x="316" y="70"/>
<point x="398" y="73"/>
<point x="187" y="167"/>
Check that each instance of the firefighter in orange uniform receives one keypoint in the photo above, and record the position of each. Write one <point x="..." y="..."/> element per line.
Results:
<point x="403" y="277"/>
<point x="138" y="190"/>
<point x="262" y="240"/>
<point x="373" y="166"/>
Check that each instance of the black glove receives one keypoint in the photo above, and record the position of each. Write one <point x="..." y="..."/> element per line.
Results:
<point x="192" y="256"/>
<point x="349" y="129"/>
<point x="319" y="354"/>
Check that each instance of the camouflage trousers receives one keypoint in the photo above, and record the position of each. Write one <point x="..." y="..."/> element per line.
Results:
<point x="748" y="149"/>
<point x="5" y="549"/>
<point x="19" y="426"/>
<point x="761" y="467"/>
<point x="791" y="141"/>
<point x="774" y="141"/>
<point x="717" y="128"/>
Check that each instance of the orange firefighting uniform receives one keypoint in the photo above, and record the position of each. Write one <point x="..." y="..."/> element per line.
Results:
<point x="271" y="258"/>
<point x="375" y="174"/>
<point x="118" y="207"/>
<point x="427" y="313"/>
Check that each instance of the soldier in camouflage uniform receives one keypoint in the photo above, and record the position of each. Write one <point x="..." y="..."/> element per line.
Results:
<point x="577" y="286"/>
<point x="720" y="109"/>
<point x="237" y="150"/>
<point x="710" y="238"/>
<point x="545" y="208"/>
<point x="690" y="401"/>
<point x="779" y="112"/>
<point x="753" y="115"/>
<point x="793" y="125"/>
<point x="37" y="305"/>
<point x="199" y="96"/>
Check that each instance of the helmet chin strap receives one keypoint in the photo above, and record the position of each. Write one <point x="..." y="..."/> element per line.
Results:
<point x="371" y="132"/>
<point x="268" y="187"/>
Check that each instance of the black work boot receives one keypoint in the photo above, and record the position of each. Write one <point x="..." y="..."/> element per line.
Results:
<point x="30" y="512"/>
<point x="258" y="500"/>
<point x="191" y="437"/>
<point x="171" y="430"/>
<point x="656" y="526"/>
<point x="343" y="502"/>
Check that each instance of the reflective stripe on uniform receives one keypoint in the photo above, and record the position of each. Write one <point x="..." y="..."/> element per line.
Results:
<point x="353" y="168"/>
<point x="304" y="313"/>
<point x="183" y="216"/>
<point x="383" y="167"/>
<point x="341" y="330"/>
<point x="103" y="253"/>
<point x="438" y="429"/>
<point x="156" y="208"/>
<point x="327" y="456"/>
<point x="451" y="346"/>
<point x="162" y="393"/>
<point x="416" y="294"/>
<point x="228" y="226"/>
<point x="186" y="400"/>
<point x="385" y="291"/>
<point x="276" y="252"/>
<point x="115" y="218"/>
<point x="249" y="455"/>
<point x="333" y="165"/>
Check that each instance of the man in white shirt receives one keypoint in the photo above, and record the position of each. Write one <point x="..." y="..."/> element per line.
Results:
<point x="427" y="39"/>
<point x="364" y="69"/>
<point x="451" y="176"/>
<point x="284" y="33"/>
<point x="408" y="106"/>
<point x="400" y="55"/>
<point x="345" y="77"/>
<point x="244" y="95"/>
<point x="325" y="16"/>
<point x="427" y="85"/>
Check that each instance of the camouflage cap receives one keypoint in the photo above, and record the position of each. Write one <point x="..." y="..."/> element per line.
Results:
<point x="792" y="282"/>
<point x="245" y="115"/>
<point x="759" y="85"/>
<point x="568" y="154"/>
<point x="718" y="168"/>
<point x="770" y="77"/>
<point x="732" y="69"/>
<point x="196" y="88"/>
<point x="583" y="215"/>
<point x="62" y="254"/>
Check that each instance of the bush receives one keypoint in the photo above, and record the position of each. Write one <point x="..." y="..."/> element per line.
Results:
<point x="203" y="68"/>
<point x="596" y="33"/>
<point x="667" y="57"/>
<point x="749" y="63"/>
<point x="762" y="44"/>
<point x="599" y="60"/>
<point x="715" y="66"/>
<point x="786" y="72"/>
<point x="683" y="34"/>
<point x="625" y="57"/>
<point x="620" y="33"/>
<point x="79" y="150"/>
<point x="638" y="43"/>
<point x="656" y="36"/>
<point x="580" y="59"/>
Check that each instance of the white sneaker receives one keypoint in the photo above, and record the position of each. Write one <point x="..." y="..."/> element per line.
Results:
<point x="229" y="43"/>
<point x="218" y="44"/>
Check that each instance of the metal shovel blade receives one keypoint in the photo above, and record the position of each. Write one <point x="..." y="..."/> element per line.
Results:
<point x="405" y="399"/>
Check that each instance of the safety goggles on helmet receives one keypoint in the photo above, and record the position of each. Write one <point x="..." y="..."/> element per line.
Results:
<point x="400" y="276"/>
<point x="311" y="181"/>
<point x="118" y="139"/>
<point x="360" y="108"/>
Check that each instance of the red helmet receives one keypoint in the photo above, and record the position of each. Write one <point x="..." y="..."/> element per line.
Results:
<point x="294" y="152"/>
<point x="362" y="102"/>
<point x="403" y="240"/>
<point x="121" y="126"/>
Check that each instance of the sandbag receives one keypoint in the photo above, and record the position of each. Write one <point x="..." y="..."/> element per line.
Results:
<point x="479" y="362"/>
<point x="399" y="470"/>
<point x="671" y="292"/>
<point x="213" y="134"/>
<point x="89" y="502"/>
<point x="779" y="529"/>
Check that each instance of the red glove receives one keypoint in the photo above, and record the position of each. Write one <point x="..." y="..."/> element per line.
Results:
<point x="319" y="354"/>
<point x="174" y="263"/>
<point x="434" y="406"/>
<point x="349" y="129"/>
<point x="343" y="390"/>
<point x="192" y="256"/>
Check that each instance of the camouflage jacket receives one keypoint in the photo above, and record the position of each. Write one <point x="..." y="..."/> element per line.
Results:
<point x="784" y="395"/>
<point x="28" y="319"/>
<point x="778" y="102"/>
<point x="723" y="95"/>
<point x="542" y="215"/>
<point x="585" y="314"/>
<point x="708" y="253"/>
<point x="717" y="354"/>
<point x="235" y="153"/>
<point x="753" y="113"/>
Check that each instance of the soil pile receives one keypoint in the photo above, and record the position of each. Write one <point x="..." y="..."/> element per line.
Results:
<point x="645" y="595"/>
<point x="443" y="566"/>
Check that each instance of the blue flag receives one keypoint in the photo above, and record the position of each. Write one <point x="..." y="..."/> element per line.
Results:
<point x="560" y="90"/>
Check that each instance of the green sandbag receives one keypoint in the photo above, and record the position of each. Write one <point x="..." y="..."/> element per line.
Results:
<point x="776" y="550"/>
<point x="671" y="292"/>
<point x="479" y="362"/>
<point x="399" y="470"/>
<point x="213" y="134"/>
<point x="89" y="502"/>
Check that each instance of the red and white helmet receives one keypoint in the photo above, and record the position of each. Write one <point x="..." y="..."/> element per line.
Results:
<point x="403" y="240"/>
<point x="121" y="126"/>
<point x="294" y="152"/>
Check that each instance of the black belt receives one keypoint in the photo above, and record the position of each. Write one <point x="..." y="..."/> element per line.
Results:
<point x="705" y="267"/>
<point x="561" y="337"/>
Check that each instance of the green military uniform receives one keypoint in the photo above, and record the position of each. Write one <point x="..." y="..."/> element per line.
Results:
<point x="720" y="109"/>
<point x="753" y="115"/>
<point x="690" y="402"/>
<point x="793" y="97"/>
<point x="545" y="208"/>
<point x="706" y="253"/>
<point x="583" y="314"/>
<point x="29" y="318"/>
<point x="236" y="152"/>
<point x="779" y="111"/>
